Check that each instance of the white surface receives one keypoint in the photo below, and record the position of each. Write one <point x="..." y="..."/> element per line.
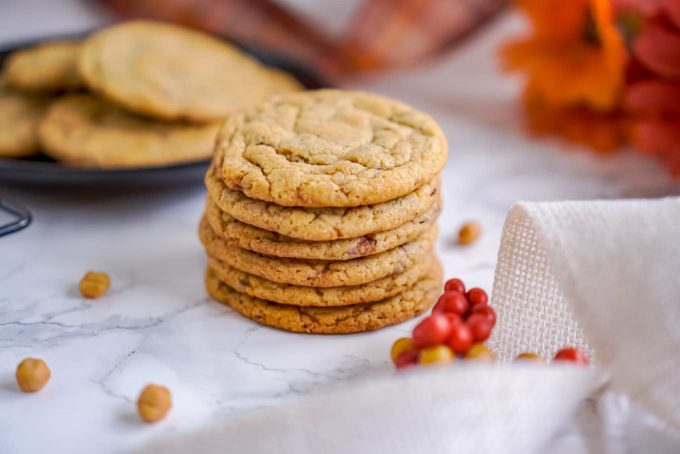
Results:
<point x="157" y="325"/>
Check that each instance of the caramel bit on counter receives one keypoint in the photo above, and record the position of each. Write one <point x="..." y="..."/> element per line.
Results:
<point x="469" y="233"/>
<point x="32" y="374"/>
<point x="154" y="403"/>
<point x="94" y="284"/>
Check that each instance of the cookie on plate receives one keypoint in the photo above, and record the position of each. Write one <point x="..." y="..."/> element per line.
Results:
<point x="254" y="239"/>
<point x="322" y="224"/>
<point x="48" y="67"/>
<point x="331" y="320"/>
<point x="319" y="273"/>
<point x="297" y="295"/>
<point x="20" y="117"/>
<point x="85" y="130"/>
<point x="329" y="148"/>
<point x="175" y="73"/>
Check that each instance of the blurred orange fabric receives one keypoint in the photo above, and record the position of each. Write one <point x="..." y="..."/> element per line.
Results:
<point x="381" y="34"/>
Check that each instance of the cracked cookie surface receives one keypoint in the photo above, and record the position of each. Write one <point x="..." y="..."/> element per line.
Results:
<point x="296" y="295"/>
<point x="175" y="73"/>
<point x="47" y="67"/>
<point x="322" y="224"/>
<point x="85" y="130"/>
<point x="254" y="239"/>
<point x="318" y="273"/>
<point x="332" y="320"/>
<point x="329" y="148"/>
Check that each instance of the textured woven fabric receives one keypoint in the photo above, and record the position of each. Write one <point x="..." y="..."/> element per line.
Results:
<point x="601" y="275"/>
<point x="533" y="315"/>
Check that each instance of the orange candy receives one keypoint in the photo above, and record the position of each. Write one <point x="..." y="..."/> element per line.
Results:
<point x="529" y="356"/>
<point x="440" y="354"/>
<point x="400" y="346"/>
<point x="480" y="352"/>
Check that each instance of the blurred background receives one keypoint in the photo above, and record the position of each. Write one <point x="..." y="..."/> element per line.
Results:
<point x="595" y="77"/>
<point x="336" y="37"/>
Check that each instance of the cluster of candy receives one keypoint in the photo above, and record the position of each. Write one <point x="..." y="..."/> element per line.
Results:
<point x="570" y="354"/>
<point x="460" y="323"/>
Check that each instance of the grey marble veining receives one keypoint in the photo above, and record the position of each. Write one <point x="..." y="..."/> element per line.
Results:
<point x="157" y="324"/>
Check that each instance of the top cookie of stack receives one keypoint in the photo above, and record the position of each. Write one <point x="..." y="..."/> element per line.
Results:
<point x="157" y="94"/>
<point x="321" y="212"/>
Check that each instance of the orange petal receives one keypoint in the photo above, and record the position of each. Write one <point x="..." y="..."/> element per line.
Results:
<point x="672" y="161"/>
<point x="673" y="10"/>
<point x="556" y="19"/>
<point x="658" y="48"/>
<point x="656" y="137"/>
<point x="646" y="7"/>
<point x="653" y="97"/>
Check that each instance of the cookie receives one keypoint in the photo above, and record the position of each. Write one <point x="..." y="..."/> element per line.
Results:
<point x="335" y="320"/>
<point x="254" y="239"/>
<point x="85" y="130"/>
<point x="48" y="67"/>
<point x="329" y="148"/>
<point x="296" y="295"/>
<point x="322" y="224"/>
<point x="169" y="72"/>
<point x="20" y="116"/>
<point x="318" y="273"/>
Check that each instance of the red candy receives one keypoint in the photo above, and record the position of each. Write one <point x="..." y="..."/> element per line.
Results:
<point x="431" y="331"/>
<point x="459" y="325"/>
<point x="461" y="338"/>
<point x="477" y="296"/>
<point x="572" y="354"/>
<point x="486" y="311"/>
<point x="406" y="358"/>
<point x="453" y="302"/>
<point x="481" y="327"/>
<point x="453" y="318"/>
<point x="454" y="285"/>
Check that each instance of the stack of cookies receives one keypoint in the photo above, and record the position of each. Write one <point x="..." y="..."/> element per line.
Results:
<point x="321" y="212"/>
<point x="135" y="94"/>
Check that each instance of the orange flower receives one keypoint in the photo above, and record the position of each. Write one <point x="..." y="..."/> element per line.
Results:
<point x="603" y="132"/>
<point x="652" y="100"/>
<point x="573" y="56"/>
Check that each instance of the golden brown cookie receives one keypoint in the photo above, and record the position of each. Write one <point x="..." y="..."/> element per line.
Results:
<point x="331" y="320"/>
<point x="329" y="148"/>
<point x="323" y="224"/>
<point x="20" y="116"/>
<point x="85" y="130"/>
<point x="318" y="273"/>
<point x="175" y="73"/>
<point x="296" y="295"/>
<point x="254" y="239"/>
<point x="45" y="68"/>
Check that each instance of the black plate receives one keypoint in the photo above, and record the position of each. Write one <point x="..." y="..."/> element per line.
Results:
<point x="46" y="172"/>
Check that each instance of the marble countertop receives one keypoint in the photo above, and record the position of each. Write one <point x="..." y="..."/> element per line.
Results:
<point x="157" y="324"/>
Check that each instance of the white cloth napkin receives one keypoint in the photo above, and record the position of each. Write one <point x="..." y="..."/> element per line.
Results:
<point x="600" y="275"/>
